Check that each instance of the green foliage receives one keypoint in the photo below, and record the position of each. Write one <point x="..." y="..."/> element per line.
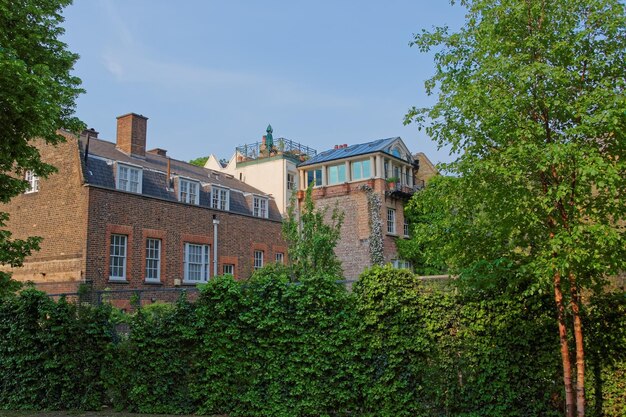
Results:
<point x="37" y="97"/>
<point x="52" y="353"/>
<point x="437" y="352"/>
<point x="311" y="240"/>
<point x="199" y="161"/>
<point x="271" y="347"/>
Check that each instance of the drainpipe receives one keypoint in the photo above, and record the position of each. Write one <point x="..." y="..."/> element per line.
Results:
<point x="216" y="222"/>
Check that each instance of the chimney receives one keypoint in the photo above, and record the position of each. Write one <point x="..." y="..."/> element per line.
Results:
<point x="158" y="151"/>
<point x="91" y="132"/>
<point x="131" y="134"/>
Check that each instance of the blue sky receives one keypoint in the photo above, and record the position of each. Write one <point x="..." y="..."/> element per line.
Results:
<point x="210" y="75"/>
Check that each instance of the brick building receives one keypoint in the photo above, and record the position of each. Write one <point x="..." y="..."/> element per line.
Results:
<point x="120" y="217"/>
<point x="370" y="183"/>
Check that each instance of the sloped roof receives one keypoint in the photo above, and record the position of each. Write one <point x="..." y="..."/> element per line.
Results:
<point x="100" y="171"/>
<point x="380" y="145"/>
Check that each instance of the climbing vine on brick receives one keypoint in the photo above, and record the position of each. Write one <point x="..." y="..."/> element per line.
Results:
<point x="376" y="229"/>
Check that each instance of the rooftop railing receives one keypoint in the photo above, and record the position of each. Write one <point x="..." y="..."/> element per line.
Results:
<point x="281" y="146"/>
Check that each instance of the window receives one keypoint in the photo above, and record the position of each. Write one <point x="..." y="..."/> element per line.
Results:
<point x="406" y="227"/>
<point x="280" y="258"/>
<point x="400" y="264"/>
<point x="33" y="182"/>
<point x="219" y="198"/>
<point x="361" y="169"/>
<point x="396" y="152"/>
<point x="228" y="269"/>
<point x="153" y="260"/>
<point x="117" y="257"/>
<point x="258" y="259"/>
<point x="291" y="181"/>
<point x="260" y="207"/>
<point x="188" y="191"/>
<point x="195" y="263"/>
<point x="391" y="221"/>
<point x="129" y="178"/>
<point x="314" y="176"/>
<point x="336" y="174"/>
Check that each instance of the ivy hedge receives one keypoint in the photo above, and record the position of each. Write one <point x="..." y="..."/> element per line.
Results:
<point x="268" y="347"/>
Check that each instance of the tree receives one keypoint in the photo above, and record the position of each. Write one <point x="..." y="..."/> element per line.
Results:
<point x="531" y="94"/>
<point x="311" y="240"/>
<point x="37" y="98"/>
<point x="199" y="161"/>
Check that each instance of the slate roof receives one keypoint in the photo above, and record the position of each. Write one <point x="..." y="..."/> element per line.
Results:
<point x="100" y="171"/>
<point x="380" y="145"/>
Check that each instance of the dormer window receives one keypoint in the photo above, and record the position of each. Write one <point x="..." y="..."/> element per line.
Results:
<point x="188" y="191"/>
<point x="128" y="178"/>
<point x="219" y="198"/>
<point x="33" y="182"/>
<point x="260" y="207"/>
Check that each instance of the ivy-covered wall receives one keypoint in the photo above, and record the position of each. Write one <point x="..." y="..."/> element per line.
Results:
<point x="268" y="347"/>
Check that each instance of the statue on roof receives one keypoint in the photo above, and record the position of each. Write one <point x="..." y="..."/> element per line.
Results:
<point x="269" y="139"/>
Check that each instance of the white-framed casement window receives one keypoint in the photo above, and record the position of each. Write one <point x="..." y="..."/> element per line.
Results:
<point x="153" y="260"/>
<point x="188" y="191"/>
<point x="336" y="174"/>
<point x="291" y="181"/>
<point x="406" y="227"/>
<point x="259" y="205"/>
<point x="280" y="258"/>
<point x="117" y="257"/>
<point x="391" y="221"/>
<point x="314" y="176"/>
<point x="400" y="264"/>
<point x="258" y="259"/>
<point x="228" y="269"/>
<point x="219" y="198"/>
<point x="33" y="182"/>
<point x="360" y="169"/>
<point x="195" y="263"/>
<point x="128" y="178"/>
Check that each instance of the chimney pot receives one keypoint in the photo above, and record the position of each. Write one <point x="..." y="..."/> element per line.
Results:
<point x="131" y="134"/>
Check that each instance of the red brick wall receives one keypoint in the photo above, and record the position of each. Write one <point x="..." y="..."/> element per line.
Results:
<point x="353" y="247"/>
<point x="177" y="223"/>
<point x="57" y="213"/>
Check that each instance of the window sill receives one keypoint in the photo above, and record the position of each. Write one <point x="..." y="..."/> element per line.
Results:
<point x="392" y="234"/>
<point x="192" y="283"/>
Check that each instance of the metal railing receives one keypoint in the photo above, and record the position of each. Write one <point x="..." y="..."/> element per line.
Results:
<point x="281" y="145"/>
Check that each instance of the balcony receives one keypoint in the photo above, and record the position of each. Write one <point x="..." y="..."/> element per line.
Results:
<point x="281" y="146"/>
<point x="399" y="190"/>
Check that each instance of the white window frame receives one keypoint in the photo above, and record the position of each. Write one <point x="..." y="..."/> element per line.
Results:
<point x="291" y="181"/>
<point x="391" y="221"/>
<point x="116" y="242"/>
<point x="33" y="182"/>
<point x="220" y="198"/>
<point x="336" y="170"/>
<point x="203" y="260"/>
<point x="357" y="171"/>
<point x="231" y="267"/>
<point x="406" y="227"/>
<point x="188" y="184"/>
<point x="124" y="178"/>
<point x="260" y="207"/>
<point x="153" y="259"/>
<point x="258" y="259"/>
<point x="317" y="177"/>
<point x="280" y="258"/>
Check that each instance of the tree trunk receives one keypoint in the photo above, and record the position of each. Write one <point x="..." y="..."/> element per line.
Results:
<point x="570" y="405"/>
<point x="580" y="348"/>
